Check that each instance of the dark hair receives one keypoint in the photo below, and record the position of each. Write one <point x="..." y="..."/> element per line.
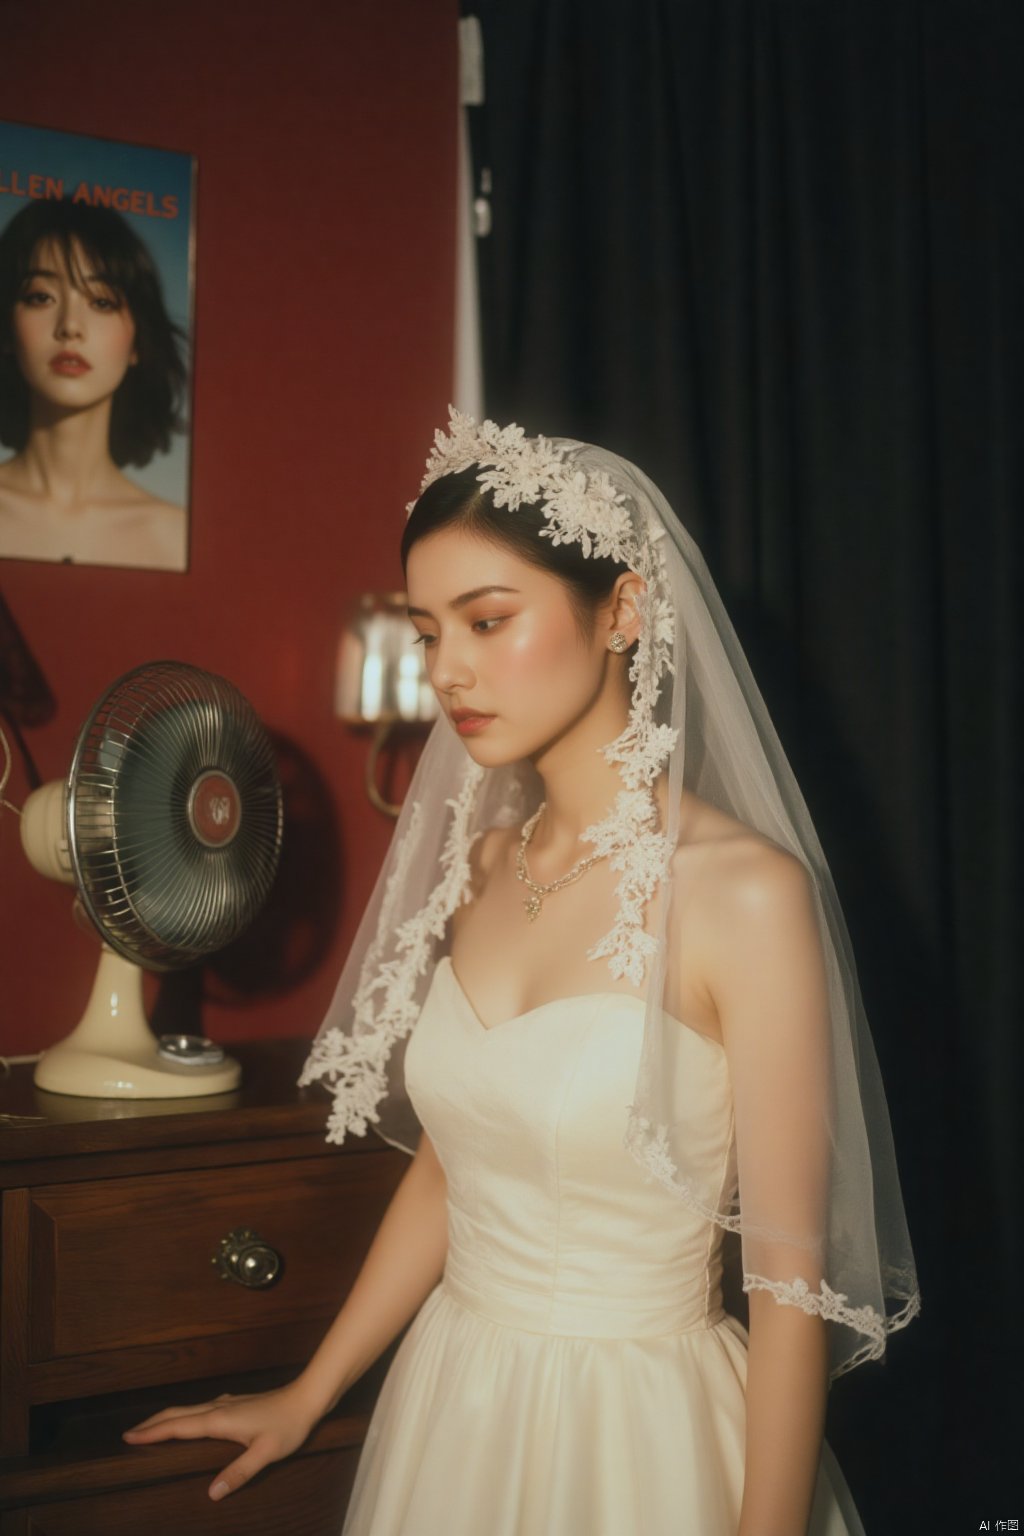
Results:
<point x="146" y="405"/>
<point x="459" y="501"/>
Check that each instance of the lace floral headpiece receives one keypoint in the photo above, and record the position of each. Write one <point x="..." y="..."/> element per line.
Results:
<point x="586" y="509"/>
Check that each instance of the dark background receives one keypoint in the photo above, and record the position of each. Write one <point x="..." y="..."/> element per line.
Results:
<point x="771" y="252"/>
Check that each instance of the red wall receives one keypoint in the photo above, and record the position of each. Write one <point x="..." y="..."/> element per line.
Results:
<point x="326" y="143"/>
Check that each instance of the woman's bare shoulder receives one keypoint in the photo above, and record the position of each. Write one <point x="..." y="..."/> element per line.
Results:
<point x="154" y="531"/>
<point x="738" y="896"/>
<point x="727" y="860"/>
<point x="135" y="498"/>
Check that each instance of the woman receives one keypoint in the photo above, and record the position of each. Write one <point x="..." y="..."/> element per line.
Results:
<point x="91" y="379"/>
<point x="584" y="1134"/>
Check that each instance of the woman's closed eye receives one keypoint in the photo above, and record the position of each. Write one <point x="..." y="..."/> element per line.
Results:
<point x="482" y="626"/>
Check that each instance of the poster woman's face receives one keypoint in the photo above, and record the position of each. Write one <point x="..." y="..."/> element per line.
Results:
<point x="74" y="337"/>
<point x="501" y="639"/>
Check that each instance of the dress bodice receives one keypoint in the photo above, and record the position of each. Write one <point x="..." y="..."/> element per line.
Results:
<point x="553" y="1226"/>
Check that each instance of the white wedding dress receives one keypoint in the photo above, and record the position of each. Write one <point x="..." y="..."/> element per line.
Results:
<point x="573" y="1373"/>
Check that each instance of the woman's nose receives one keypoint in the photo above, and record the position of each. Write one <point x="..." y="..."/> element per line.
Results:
<point x="450" y="668"/>
<point x="69" y="320"/>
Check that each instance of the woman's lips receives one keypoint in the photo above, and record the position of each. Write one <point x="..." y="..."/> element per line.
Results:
<point x="468" y="725"/>
<point x="70" y="365"/>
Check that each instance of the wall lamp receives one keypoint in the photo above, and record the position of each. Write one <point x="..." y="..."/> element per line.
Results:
<point x="381" y="678"/>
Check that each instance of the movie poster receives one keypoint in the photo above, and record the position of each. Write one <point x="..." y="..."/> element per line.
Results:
<point x="96" y="294"/>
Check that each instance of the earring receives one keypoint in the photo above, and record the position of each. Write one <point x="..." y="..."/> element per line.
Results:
<point x="618" y="641"/>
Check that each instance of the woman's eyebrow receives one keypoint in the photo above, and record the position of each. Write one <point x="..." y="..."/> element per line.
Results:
<point x="460" y="601"/>
<point x="90" y="279"/>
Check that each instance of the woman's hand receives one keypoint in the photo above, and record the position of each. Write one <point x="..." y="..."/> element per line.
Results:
<point x="269" y="1424"/>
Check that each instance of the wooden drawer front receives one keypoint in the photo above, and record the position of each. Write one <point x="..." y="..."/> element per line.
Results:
<point x="303" y="1497"/>
<point x="127" y="1262"/>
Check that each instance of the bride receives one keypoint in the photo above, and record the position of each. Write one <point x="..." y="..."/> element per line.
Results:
<point x="606" y="786"/>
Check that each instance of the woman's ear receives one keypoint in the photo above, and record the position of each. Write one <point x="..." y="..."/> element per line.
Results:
<point x="623" y="613"/>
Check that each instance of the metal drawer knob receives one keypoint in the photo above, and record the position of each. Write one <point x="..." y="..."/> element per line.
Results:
<point x="247" y="1259"/>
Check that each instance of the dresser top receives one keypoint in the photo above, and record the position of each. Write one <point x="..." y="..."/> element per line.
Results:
<point x="37" y="1126"/>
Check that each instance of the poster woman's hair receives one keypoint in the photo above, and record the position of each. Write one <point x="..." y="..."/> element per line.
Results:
<point x="810" y="1180"/>
<point x="147" y="404"/>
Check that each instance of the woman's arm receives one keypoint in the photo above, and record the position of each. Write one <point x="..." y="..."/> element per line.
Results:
<point x="787" y="1390"/>
<point x="765" y="970"/>
<point x="403" y="1264"/>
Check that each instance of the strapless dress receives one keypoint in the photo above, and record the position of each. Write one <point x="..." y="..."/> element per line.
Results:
<point x="574" y="1372"/>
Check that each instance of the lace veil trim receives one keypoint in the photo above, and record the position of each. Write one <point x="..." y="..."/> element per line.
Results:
<point x="358" y="1062"/>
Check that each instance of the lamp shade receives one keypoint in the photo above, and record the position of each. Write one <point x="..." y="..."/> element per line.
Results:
<point x="381" y="673"/>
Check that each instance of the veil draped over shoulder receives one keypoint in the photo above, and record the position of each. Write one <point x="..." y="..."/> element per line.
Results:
<point x="816" y="1196"/>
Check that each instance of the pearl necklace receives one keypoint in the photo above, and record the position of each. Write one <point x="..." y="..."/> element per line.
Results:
<point x="532" y="903"/>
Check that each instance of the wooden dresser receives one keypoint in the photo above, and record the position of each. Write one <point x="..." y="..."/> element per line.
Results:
<point x="162" y="1252"/>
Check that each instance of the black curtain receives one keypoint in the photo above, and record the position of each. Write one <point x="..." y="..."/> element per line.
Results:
<point x="772" y="252"/>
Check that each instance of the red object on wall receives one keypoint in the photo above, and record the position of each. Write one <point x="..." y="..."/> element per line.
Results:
<point x="326" y="145"/>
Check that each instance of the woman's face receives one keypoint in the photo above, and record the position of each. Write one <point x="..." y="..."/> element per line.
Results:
<point x="74" y="337"/>
<point x="502" y="645"/>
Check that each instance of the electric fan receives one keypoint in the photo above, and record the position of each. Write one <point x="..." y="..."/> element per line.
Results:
<point x="169" y="825"/>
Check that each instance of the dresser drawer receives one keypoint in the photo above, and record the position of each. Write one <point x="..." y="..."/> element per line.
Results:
<point x="127" y="1263"/>
<point x="305" y="1496"/>
<point x="110" y="1307"/>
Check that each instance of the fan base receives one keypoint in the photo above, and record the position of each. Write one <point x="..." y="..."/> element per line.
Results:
<point x="112" y="1053"/>
<point x="99" y="1075"/>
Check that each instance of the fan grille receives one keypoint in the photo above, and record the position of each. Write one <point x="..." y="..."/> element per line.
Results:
<point x="174" y="814"/>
